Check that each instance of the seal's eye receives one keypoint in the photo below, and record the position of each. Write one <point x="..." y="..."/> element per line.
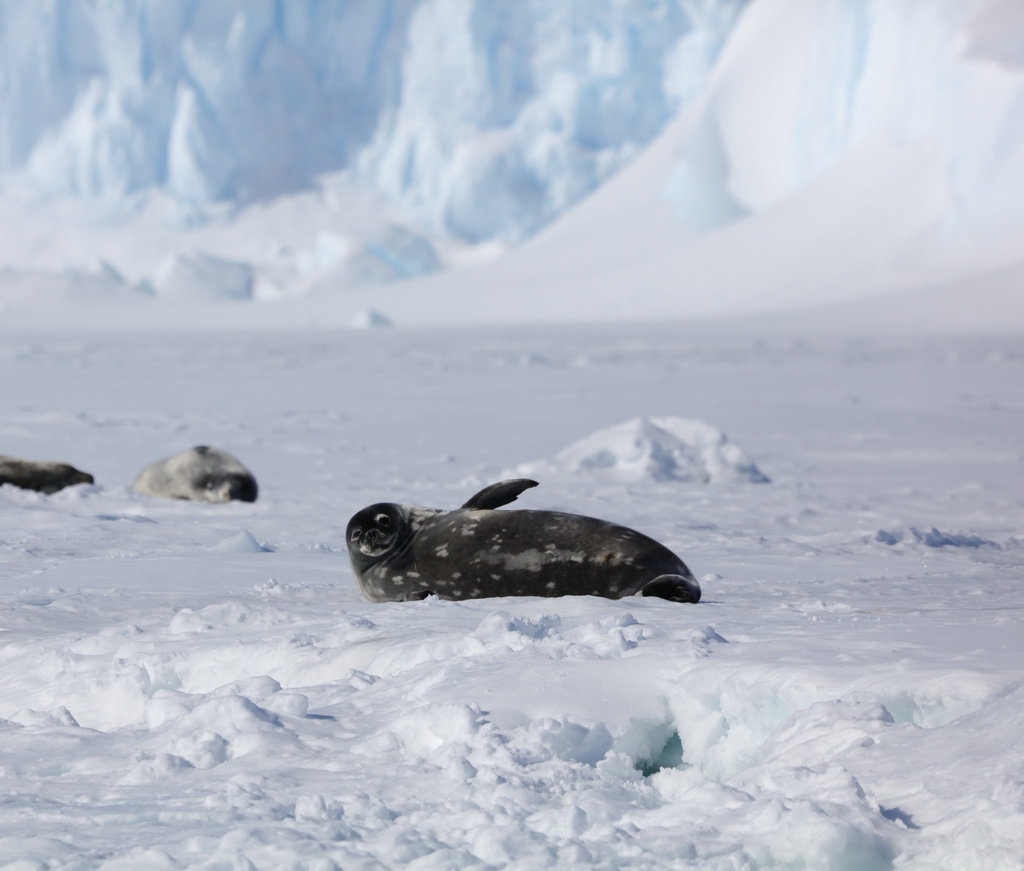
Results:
<point x="355" y="534"/>
<point x="382" y="520"/>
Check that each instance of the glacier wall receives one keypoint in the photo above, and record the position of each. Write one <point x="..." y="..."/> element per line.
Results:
<point x="483" y="118"/>
<point x="229" y="100"/>
<point x="888" y="131"/>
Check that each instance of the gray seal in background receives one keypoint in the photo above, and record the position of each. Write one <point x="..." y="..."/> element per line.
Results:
<point x="204" y="474"/>
<point x="46" y="477"/>
<point x="405" y="552"/>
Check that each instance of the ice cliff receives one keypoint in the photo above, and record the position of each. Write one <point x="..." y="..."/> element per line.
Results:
<point x="483" y="119"/>
<point x="765" y="149"/>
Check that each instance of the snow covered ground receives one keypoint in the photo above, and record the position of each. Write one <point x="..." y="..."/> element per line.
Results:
<point x="848" y="695"/>
<point x="198" y="202"/>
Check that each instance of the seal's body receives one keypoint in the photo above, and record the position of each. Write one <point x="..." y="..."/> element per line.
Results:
<point x="403" y="552"/>
<point x="203" y="474"/>
<point x="46" y="477"/>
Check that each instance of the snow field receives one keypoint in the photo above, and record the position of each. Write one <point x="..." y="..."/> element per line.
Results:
<point x="201" y="686"/>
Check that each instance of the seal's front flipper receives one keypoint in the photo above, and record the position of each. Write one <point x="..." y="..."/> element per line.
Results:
<point x="675" y="588"/>
<point x="499" y="494"/>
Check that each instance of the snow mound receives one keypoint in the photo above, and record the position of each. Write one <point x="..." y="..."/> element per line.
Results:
<point x="241" y="542"/>
<point x="654" y="449"/>
<point x="201" y="276"/>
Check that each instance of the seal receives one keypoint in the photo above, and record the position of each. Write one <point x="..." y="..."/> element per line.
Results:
<point x="46" y="477"/>
<point x="405" y="552"/>
<point x="204" y="474"/>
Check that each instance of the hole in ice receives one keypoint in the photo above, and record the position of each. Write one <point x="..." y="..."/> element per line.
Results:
<point x="670" y="756"/>
<point x="897" y="816"/>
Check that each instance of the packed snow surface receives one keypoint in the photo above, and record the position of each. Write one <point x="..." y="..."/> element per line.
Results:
<point x="187" y="685"/>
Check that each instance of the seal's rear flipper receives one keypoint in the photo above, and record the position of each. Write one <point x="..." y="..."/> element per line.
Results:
<point x="675" y="588"/>
<point x="499" y="494"/>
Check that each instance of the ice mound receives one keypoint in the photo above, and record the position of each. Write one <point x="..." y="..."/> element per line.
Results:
<point x="375" y="256"/>
<point x="654" y="449"/>
<point x="242" y="541"/>
<point x="370" y="319"/>
<point x="392" y="253"/>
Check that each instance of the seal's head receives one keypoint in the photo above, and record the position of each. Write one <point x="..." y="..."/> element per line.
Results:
<point x="375" y="533"/>
<point x="227" y="487"/>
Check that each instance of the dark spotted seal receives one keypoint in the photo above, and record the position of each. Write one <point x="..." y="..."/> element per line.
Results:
<point x="203" y="473"/>
<point x="45" y="477"/>
<point x="404" y="552"/>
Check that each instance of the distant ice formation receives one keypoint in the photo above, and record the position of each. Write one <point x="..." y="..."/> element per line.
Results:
<point x="784" y="152"/>
<point x="653" y="449"/>
<point x="98" y="282"/>
<point x="202" y="276"/>
<point x="484" y="120"/>
<point x="369" y="319"/>
<point x="389" y="254"/>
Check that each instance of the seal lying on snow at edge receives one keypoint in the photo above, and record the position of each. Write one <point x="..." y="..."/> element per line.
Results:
<point x="203" y="473"/>
<point x="404" y="552"/>
<point x="46" y="477"/>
